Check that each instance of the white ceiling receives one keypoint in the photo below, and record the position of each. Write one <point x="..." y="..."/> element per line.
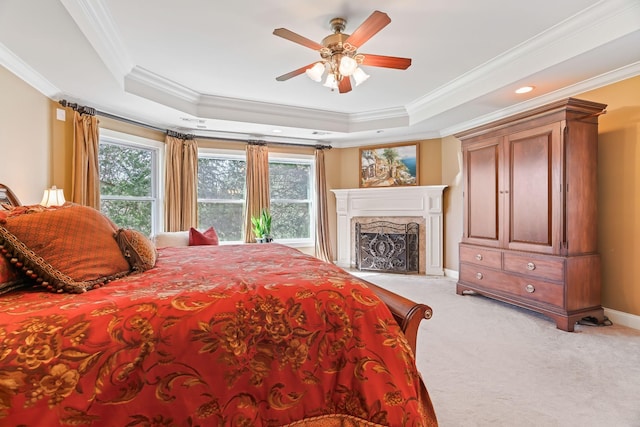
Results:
<point x="209" y="67"/>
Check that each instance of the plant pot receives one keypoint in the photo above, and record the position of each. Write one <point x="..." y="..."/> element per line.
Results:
<point x="261" y="240"/>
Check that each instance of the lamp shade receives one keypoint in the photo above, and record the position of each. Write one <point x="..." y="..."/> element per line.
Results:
<point x="347" y="66"/>
<point x="53" y="197"/>
<point x="331" y="81"/>
<point x="315" y="72"/>
<point x="360" y="76"/>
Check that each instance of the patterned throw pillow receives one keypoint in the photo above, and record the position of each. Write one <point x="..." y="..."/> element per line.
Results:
<point x="69" y="249"/>
<point x="208" y="237"/>
<point x="137" y="248"/>
<point x="9" y="277"/>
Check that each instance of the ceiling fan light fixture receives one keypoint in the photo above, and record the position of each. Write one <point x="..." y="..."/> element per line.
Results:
<point x="360" y="76"/>
<point x="339" y="53"/>
<point x="315" y="72"/>
<point x="347" y="66"/>
<point x="331" y="82"/>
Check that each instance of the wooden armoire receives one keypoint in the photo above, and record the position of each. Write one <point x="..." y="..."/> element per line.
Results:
<point x="530" y="211"/>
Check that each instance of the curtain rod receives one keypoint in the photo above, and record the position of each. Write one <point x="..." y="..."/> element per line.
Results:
<point x="93" y="112"/>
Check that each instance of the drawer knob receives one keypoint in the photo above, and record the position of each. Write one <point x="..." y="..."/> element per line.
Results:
<point x="479" y="257"/>
<point x="479" y="276"/>
<point x="530" y="288"/>
<point x="531" y="266"/>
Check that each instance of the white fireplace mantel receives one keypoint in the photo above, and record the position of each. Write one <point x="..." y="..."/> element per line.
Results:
<point x="418" y="201"/>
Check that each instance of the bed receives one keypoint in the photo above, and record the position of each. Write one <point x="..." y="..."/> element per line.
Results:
<point x="246" y="335"/>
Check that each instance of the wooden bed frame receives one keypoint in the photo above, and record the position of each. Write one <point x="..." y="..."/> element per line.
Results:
<point x="7" y="196"/>
<point x="407" y="313"/>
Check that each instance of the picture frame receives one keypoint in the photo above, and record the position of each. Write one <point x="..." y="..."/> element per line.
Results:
<point x="392" y="165"/>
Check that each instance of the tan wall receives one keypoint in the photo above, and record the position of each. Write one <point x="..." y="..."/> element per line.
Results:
<point x="452" y="177"/>
<point x="35" y="153"/>
<point x="619" y="194"/>
<point x="25" y="138"/>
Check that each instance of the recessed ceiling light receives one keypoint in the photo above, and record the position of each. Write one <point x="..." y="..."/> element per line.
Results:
<point x="277" y="131"/>
<point x="524" y="89"/>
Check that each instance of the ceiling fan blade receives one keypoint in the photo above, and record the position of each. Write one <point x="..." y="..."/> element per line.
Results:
<point x="386" y="61"/>
<point x="297" y="38"/>
<point x="294" y="72"/>
<point x="374" y="23"/>
<point x="345" y="84"/>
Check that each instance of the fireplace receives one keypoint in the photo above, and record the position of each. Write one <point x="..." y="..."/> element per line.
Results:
<point x="387" y="246"/>
<point x="419" y="204"/>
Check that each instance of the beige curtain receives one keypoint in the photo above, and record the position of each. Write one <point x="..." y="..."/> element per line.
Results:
<point x="323" y="241"/>
<point x="181" y="184"/>
<point x="257" y="195"/>
<point x="85" y="189"/>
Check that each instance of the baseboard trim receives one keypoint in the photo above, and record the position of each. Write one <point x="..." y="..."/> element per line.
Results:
<point x="622" y="318"/>
<point x="451" y="273"/>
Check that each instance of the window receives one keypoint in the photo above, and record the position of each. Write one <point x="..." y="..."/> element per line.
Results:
<point x="129" y="181"/>
<point x="221" y="181"/>
<point x="291" y="185"/>
<point x="221" y="191"/>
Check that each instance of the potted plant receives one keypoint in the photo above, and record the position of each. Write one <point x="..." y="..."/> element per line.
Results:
<point x="262" y="227"/>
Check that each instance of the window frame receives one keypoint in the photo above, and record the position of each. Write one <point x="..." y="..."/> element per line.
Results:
<point x="157" y="149"/>
<point x="306" y="159"/>
<point x="275" y="157"/>
<point x="221" y="153"/>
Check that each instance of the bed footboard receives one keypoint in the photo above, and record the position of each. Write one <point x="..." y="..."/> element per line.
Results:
<point x="407" y="313"/>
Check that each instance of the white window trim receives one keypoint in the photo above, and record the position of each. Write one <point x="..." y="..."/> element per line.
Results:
<point x="302" y="159"/>
<point x="157" y="184"/>
<point x="283" y="157"/>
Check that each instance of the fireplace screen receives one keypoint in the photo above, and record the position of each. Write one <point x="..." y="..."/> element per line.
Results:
<point x="386" y="246"/>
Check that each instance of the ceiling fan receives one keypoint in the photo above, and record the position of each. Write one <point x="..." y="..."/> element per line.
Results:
<point x="339" y="53"/>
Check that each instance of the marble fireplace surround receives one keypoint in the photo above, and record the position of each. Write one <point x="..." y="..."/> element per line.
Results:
<point x="389" y="203"/>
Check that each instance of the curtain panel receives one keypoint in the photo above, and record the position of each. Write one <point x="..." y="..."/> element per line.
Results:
<point x="181" y="184"/>
<point x="85" y="189"/>
<point x="323" y="241"/>
<point x="257" y="196"/>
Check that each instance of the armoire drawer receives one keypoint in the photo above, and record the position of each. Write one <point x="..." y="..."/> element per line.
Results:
<point x="534" y="266"/>
<point x="519" y="286"/>
<point x="481" y="256"/>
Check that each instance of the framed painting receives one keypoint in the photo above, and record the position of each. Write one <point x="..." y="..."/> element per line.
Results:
<point x="389" y="165"/>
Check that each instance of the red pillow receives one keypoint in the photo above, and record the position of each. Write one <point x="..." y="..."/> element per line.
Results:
<point x="208" y="237"/>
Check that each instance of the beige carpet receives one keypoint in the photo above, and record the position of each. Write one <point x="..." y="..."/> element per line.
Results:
<point x="486" y="363"/>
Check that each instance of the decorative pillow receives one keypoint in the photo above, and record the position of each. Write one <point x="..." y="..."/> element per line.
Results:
<point x="208" y="237"/>
<point x="10" y="279"/>
<point x="70" y="249"/>
<point x="11" y="211"/>
<point x="171" y="238"/>
<point x="137" y="249"/>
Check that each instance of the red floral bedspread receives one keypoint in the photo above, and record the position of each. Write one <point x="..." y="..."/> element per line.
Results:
<point x="247" y="335"/>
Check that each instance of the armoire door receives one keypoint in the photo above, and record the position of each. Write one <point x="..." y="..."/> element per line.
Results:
<point x="483" y="206"/>
<point x="533" y="186"/>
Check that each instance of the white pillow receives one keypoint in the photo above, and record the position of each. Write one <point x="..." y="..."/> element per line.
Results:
<point x="174" y="238"/>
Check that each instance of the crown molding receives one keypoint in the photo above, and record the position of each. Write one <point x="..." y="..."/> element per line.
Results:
<point x="566" y="92"/>
<point x="595" y="26"/>
<point x="157" y="88"/>
<point x="599" y="24"/>
<point x="96" y="23"/>
<point x="23" y="71"/>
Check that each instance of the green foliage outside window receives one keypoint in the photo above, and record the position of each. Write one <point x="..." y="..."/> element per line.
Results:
<point x="126" y="179"/>
<point x="221" y="187"/>
<point x="221" y="183"/>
